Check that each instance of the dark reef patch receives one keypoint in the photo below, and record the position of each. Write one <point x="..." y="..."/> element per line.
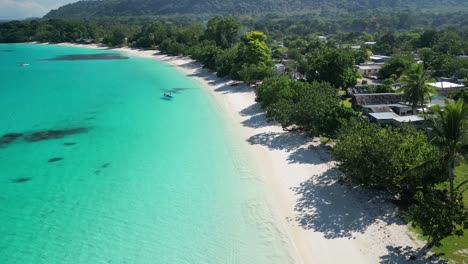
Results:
<point x="7" y="50"/>
<point x="55" y="159"/>
<point x="89" y="118"/>
<point x="97" y="172"/>
<point x="54" y="134"/>
<point x="102" y="56"/>
<point x="21" y="180"/>
<point x="105" y="165"/>
<point x="9" y="138"/>
<point x="69" y="143"/>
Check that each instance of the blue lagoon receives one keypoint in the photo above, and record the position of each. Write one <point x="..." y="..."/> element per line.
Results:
<point x="96" y="166"/>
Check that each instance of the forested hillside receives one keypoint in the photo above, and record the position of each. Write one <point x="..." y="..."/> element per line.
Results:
<point x="328" y="8"/>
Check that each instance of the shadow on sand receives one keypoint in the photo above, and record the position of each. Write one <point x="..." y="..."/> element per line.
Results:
<point x="403" y="255"/>
<point x="329" y="205"/>
<point x="293" y="143"/>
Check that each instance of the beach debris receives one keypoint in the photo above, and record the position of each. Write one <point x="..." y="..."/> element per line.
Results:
<point x="54" y="134"/>
<point x="55" y="159"/>
<point x="105" y="165"/>
<point x="69" y="143"/>
<point x="21" y="180"/>
<point x="9" y="138"/>
<point x="100" y="56"/>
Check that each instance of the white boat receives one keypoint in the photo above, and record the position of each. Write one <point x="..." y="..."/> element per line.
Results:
<point x="24" y="64"/>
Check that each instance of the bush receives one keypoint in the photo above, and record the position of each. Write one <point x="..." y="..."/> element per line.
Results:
<point x="437" y="215"/>
<point x="384" y="158"/>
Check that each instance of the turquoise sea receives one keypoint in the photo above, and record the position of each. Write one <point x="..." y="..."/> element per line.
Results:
<point x="97" y="167"/>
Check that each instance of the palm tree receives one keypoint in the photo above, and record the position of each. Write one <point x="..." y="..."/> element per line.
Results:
<point x="451" y="134"/>
<point x="415" y="86"/>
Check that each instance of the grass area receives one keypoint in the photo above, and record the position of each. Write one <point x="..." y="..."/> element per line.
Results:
<point x="461" y="173"/>
<point x="347" y="103"/>
<point x="454" y="248"/>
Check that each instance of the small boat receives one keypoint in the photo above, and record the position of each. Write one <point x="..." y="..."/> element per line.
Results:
<point x="24" y="64"/>
<point x="168" y="95"/>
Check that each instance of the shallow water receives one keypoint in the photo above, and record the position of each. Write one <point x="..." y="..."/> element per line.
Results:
<point x="143" y="179"/>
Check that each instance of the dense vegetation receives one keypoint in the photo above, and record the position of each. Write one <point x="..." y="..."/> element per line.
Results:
<point x="331" y="8"/>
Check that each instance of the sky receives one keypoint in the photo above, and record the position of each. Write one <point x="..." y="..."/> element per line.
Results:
<point x="19" y="9"/>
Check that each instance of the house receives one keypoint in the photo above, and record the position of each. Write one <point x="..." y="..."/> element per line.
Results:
<point x="280" y="68"/>
<point x="379" y="58"/>
<point x="323" y="38"/>
<point x="369" y="69"/>
<point x="370" y="43"/>
<point x="360" y="100"/>
<point x="386" y="109"/>
<point x="443" y="87"/>
<point x="390" y="118"/>
<point x="355" y="47"/>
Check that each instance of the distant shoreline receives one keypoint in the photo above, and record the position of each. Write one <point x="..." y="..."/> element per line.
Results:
<point x="342" y="225"/>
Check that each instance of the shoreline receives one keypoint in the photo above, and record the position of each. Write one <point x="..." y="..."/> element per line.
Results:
<point x="325" y="220"/>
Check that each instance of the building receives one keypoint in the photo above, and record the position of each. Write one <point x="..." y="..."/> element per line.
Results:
<point x="379" y="58"/>
<point x="443" y="87"/>
<point x="360" y="100"/>
<point x="369" y="69"/>
<point x="323" y="38"/>
<point x="386" y="109"/>
<point x="390" y="118"/>
<point x="280" y="67"/>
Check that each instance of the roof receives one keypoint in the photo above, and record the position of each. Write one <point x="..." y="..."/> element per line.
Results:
<point x="376" y="99"/>
<point x="380" y="109"/>
<point x="379" y="57"/>
<point x="370" y="42"/>
<point x="369" y="67"/>
<point x="409" y="118"/>
<point x="384" y="116"/>
<point x="446" y="85"/>
<point x="393" y="116"/>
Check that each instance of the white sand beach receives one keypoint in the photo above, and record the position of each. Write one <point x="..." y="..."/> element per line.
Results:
<point x="325" y="220"/>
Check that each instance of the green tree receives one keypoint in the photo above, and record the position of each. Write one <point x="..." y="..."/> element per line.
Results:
<point x="334" y="66"/>
<point x="255" y="72"/>
<point x="451" y="132"/>
<point x="226" y="60"/>
<point x="437" y="215"/>
<point x="382" y="158"/>
<point x="415" y="86"/>
<point x="223" y="30"/>
<point x="396" y="65"/>
<point x="254" y="50"/>
<point x="314" y="107"/>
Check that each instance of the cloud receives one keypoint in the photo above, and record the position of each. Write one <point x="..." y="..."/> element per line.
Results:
<point x="18" y="9"/>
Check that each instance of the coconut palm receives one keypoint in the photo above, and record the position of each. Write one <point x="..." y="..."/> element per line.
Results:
<point x="415" y="86"/>
<point x="451" y="134"/>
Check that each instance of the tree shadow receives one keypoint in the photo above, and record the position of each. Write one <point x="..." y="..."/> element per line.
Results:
<point x="333" y="207"/>
<point x="295" y="143"/>
<point x="256" y="121"/>
<point x="310" y="155"/>
<point x="278" y="141"/>
<point x="251" y="110"/>
<point x="397" y="255"/>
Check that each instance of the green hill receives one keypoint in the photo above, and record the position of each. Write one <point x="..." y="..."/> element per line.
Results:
<point x="327" y="8"/>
